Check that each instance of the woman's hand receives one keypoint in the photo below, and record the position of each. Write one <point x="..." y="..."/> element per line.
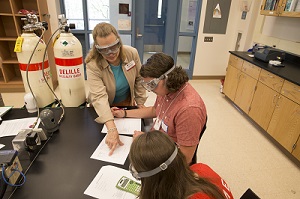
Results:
<point x="117" y="112"/>
<point x="113" y="140"/>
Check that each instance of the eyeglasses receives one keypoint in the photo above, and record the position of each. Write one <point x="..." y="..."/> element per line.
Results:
<point x="112" y="48"/>
<point x="151" y="85"/>
<point x="152" y="172"/>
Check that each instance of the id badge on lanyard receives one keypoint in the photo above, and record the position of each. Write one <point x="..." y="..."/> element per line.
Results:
<point x="157" y="124"/>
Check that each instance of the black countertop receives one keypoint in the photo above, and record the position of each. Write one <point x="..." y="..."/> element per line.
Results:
<point x="290" y="71"/>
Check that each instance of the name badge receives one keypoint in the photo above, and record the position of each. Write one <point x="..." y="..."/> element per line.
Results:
<point x="164" y="127"/>
<point x="157" y="124"/>
<point x="130" y="65"/>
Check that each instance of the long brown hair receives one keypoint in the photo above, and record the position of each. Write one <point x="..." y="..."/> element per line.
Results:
<point x="158" y="64"/>
<point x="102" y="30"/>
<point x="151" y="149"/>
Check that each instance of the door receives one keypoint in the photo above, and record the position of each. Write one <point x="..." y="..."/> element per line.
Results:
<point x="169" y="26"/>
<point x="245" y="91"/>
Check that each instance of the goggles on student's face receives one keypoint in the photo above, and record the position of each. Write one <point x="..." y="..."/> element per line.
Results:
<point x="152" y="172"/>
<point x="151" y="85"/>
<point x="112" y="48"/>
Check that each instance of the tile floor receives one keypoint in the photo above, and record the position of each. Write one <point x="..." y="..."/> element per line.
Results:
<point x="233" y="147"/>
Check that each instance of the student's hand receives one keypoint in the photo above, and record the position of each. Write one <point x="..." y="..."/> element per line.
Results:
<point x="117" y="112"/>
<point x="113" y="140"/>
<point x="137" y="133"/>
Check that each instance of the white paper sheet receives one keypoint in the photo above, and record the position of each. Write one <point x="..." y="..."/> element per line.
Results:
<point x="104" y="184"/>
<point x="1" y="146"/>
<point x="4" y="109"/>
<point x="120" y="154"/>
<point x="126" y="126"/>
<point x="12" y="127"/>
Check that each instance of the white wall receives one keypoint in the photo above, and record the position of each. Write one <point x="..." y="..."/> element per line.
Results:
<point x="212" y="57"/>
<point x="281" y="43"/>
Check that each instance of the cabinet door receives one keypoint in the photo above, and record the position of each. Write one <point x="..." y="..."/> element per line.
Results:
<point x="263" y="104"/>
<point x="285" y="123"/>
<point x="231" y="81"/>
<point x="244" y="92"/>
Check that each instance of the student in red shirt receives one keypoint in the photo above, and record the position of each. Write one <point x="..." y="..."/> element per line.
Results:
<point x="179" y="110"/>
<point x="164" y="173"/>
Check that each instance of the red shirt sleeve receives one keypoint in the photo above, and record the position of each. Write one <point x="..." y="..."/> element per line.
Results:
<point x="205" y="171"/>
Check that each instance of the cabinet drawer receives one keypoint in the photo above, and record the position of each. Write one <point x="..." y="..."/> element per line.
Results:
<point x="251" y="70"/>
<point x="235" y="61"/>
<point x="273" y="81"/>
<point x="291" y="91"/>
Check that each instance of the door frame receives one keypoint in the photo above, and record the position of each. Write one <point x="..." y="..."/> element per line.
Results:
<point x="172" y="29"/>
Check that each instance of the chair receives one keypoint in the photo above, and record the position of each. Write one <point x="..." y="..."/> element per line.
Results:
<point x="194" y="159"/>
<point x="249" y="194"/>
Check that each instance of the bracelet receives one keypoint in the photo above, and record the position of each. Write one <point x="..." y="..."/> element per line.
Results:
<point x="125" y="113"/>
<point x="111" y="129"/>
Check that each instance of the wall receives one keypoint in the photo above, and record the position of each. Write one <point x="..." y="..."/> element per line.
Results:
<point x="284" y="44"/>
<point x="211" y="58"/>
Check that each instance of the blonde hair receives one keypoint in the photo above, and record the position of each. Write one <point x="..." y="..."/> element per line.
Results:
<point x="102" y="30"/>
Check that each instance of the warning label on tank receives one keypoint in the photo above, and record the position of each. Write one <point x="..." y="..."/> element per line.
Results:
<point x="69" y="72"/>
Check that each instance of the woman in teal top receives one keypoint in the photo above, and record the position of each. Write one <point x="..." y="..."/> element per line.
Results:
<point x="113" y="75"/>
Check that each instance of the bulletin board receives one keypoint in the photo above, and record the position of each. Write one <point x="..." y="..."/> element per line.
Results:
<point x="216" y="16"/>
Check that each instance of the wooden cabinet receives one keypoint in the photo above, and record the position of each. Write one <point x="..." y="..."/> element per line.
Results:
<point x="231" y="81"/>
<point x="265" y="98"/>
<point x="235" y="61"/>
<point x="246" y="86"/>
<point x="273" y="81"/>
<point x="284" y="8"/>
<point x="240" y="82"/>
<point x="291" y="91"/>
<point x="233" y="75"/>
<point x="285" y="124"/>
<point x="263" y="105"/>
<point x="272" y="102"/>
<point x="10" y="28"/>
<point x="245" y="91"/>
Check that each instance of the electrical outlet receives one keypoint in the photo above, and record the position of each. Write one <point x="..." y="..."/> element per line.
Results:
<point x="208" y="39"/>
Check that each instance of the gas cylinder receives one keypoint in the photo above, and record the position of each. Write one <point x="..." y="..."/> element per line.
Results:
<point x="69" y="66"/>
<point x="36" y="79"/>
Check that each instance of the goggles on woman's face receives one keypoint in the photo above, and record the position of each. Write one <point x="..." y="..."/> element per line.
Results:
<point x="112" y="48"/>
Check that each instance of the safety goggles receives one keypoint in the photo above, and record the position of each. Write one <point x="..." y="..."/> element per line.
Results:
<point x="158" y="169"/>
<point x="112" y="48"/>
<point x="151" y="85"/>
